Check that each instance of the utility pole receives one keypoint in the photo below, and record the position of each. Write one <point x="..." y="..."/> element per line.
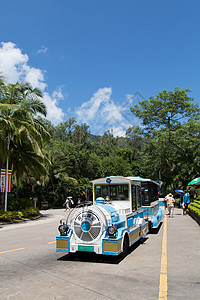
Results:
<point x="6" y="185"/>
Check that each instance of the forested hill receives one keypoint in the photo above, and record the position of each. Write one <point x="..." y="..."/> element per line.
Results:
<point x="94" y="138"/>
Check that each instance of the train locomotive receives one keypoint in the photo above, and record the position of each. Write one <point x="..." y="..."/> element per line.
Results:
<point x="110" y="224"/>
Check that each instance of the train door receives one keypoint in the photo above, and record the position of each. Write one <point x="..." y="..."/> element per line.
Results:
<point x="136" y="197"/>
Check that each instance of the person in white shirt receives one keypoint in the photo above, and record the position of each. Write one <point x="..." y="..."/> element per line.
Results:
<point x="68" y="203"/>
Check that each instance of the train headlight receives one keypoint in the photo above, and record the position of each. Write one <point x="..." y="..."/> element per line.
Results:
<point x="63" y="229"/>
<point x="112" y="230"/>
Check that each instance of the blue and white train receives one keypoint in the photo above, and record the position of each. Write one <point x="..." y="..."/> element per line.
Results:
<point x="114" y="221"/>
<point x="151" y="202"/>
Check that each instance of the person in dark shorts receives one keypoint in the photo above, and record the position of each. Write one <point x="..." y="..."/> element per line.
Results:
<point x="191" y="193"/>
<point x="186" y="202"/>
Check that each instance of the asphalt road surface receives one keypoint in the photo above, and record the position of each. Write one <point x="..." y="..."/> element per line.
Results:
<point x="30" y="268"/>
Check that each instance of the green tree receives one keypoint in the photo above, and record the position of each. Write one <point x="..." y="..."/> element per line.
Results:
<point x="115" y="166"/>
<point x="171" y="128"/>
<point x="80" y="136"/>
<point x="19" y="128"/>
<point x="64" y="130"/>
<point x="56" y="183"/>
<point x="108" y="143"/>
<point x="167" y="112"/>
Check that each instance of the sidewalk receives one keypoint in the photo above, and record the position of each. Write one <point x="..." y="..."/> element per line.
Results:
<point x="183" y="255"/>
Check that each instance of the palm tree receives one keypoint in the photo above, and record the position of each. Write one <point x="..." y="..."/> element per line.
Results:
<point x="57" y="181"/>
<point x="19" y="128"/>
<point x="26" y="161"/>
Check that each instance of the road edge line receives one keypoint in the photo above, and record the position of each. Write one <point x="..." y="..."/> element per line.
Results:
<point x="163" y="287"/>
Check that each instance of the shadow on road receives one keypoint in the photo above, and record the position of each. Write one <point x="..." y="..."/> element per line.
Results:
<point x="99" y="258"/>
<point x="156" y="230"/>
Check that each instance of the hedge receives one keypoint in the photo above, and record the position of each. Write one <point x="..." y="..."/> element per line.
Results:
<point x="195" y="204"/>
<point x="195" y="210"/>
<point x="194" y="207"/>
<point x="24" y="214"/>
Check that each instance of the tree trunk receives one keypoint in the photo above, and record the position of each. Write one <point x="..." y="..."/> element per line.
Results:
<point x="1" y="201"/>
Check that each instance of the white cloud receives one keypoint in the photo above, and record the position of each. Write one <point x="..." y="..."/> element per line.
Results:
<point x="54" y="113"/>
<point x="89" y="109"/>
<point x="43" y="50"/>
<point x="112" y="112"/>
<point x="11" y="62"/>
<point x="58" y="94"/>
<point x="101" y="113"/>
<point x="14" y="67"/>
<point x="35" y="77"/>
<point x="119" y="131"/>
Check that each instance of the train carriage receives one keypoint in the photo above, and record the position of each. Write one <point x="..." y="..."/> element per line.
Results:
<point x="114" y="221"/>
<point x="151" y="202"/>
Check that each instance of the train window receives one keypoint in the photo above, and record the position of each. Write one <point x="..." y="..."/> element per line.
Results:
<point x="139" y="202"/>
<point x="122" y="192"/>
<point x="149" y="193"/>
<point x="153" y="191"/>
<point x="145" y="195"/>
<point x="97" y="191"/>
<point x="115" y="192"/>
<point x="134" y="204"/>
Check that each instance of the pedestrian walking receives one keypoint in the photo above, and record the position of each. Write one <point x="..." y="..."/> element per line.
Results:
<point x="191" y="194"/>
<point x="165" y="199"/>
<point x="68" y="203"/>
<point x="170" y="204"/>
<point x="186" y="202"/>
<point x="181" y="200"/>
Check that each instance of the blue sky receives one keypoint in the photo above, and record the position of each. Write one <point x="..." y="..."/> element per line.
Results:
<point x="91" y="57"/>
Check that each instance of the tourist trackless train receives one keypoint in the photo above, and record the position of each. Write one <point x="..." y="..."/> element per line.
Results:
<point x="150" y="202"/>
<point x="118" y="217"/>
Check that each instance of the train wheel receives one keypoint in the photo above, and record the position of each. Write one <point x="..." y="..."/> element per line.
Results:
<point x="150" y="226"/>
<point x="142" y="240"/>
<point x="125" y="246"/>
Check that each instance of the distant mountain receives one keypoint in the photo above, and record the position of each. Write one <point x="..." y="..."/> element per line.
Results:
<point x="95" y="138"/>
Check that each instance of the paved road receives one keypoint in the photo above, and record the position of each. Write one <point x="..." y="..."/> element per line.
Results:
<point x="33" y="270"/>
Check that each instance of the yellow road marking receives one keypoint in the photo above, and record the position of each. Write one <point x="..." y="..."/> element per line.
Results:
<point x="52" y="242"/>
<point x="12" y="250"/>
<point x="163" y="269"/>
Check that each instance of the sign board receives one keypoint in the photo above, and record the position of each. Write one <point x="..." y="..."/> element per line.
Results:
<point x="44" y="204"/>
<point x="3" y="180"/>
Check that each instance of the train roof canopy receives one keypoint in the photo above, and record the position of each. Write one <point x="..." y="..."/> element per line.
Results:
<point x="121" y="179"/>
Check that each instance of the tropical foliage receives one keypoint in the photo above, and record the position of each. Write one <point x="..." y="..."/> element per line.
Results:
<point x="22" y="136"/>
<point x="195" y="207"/>
<point x="14" y="216"/>
<point x="50" y="162"/>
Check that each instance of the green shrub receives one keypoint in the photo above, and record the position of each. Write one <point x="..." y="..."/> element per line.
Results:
<point x="195" y="207"/>
<point x="196" y="201"/>
<point x="6" y="216"/>
<point x="177" y="202"/>
<point x="11" y="216"/>
<point x="17" y="215"/>
<point x="195" y="204"/>
<point x="195" y="210"/>
<point x="197" y="198"/>
<point x="32" y="212"/>
<point x="25" y="213"/>
<point x="16" y="204"/>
